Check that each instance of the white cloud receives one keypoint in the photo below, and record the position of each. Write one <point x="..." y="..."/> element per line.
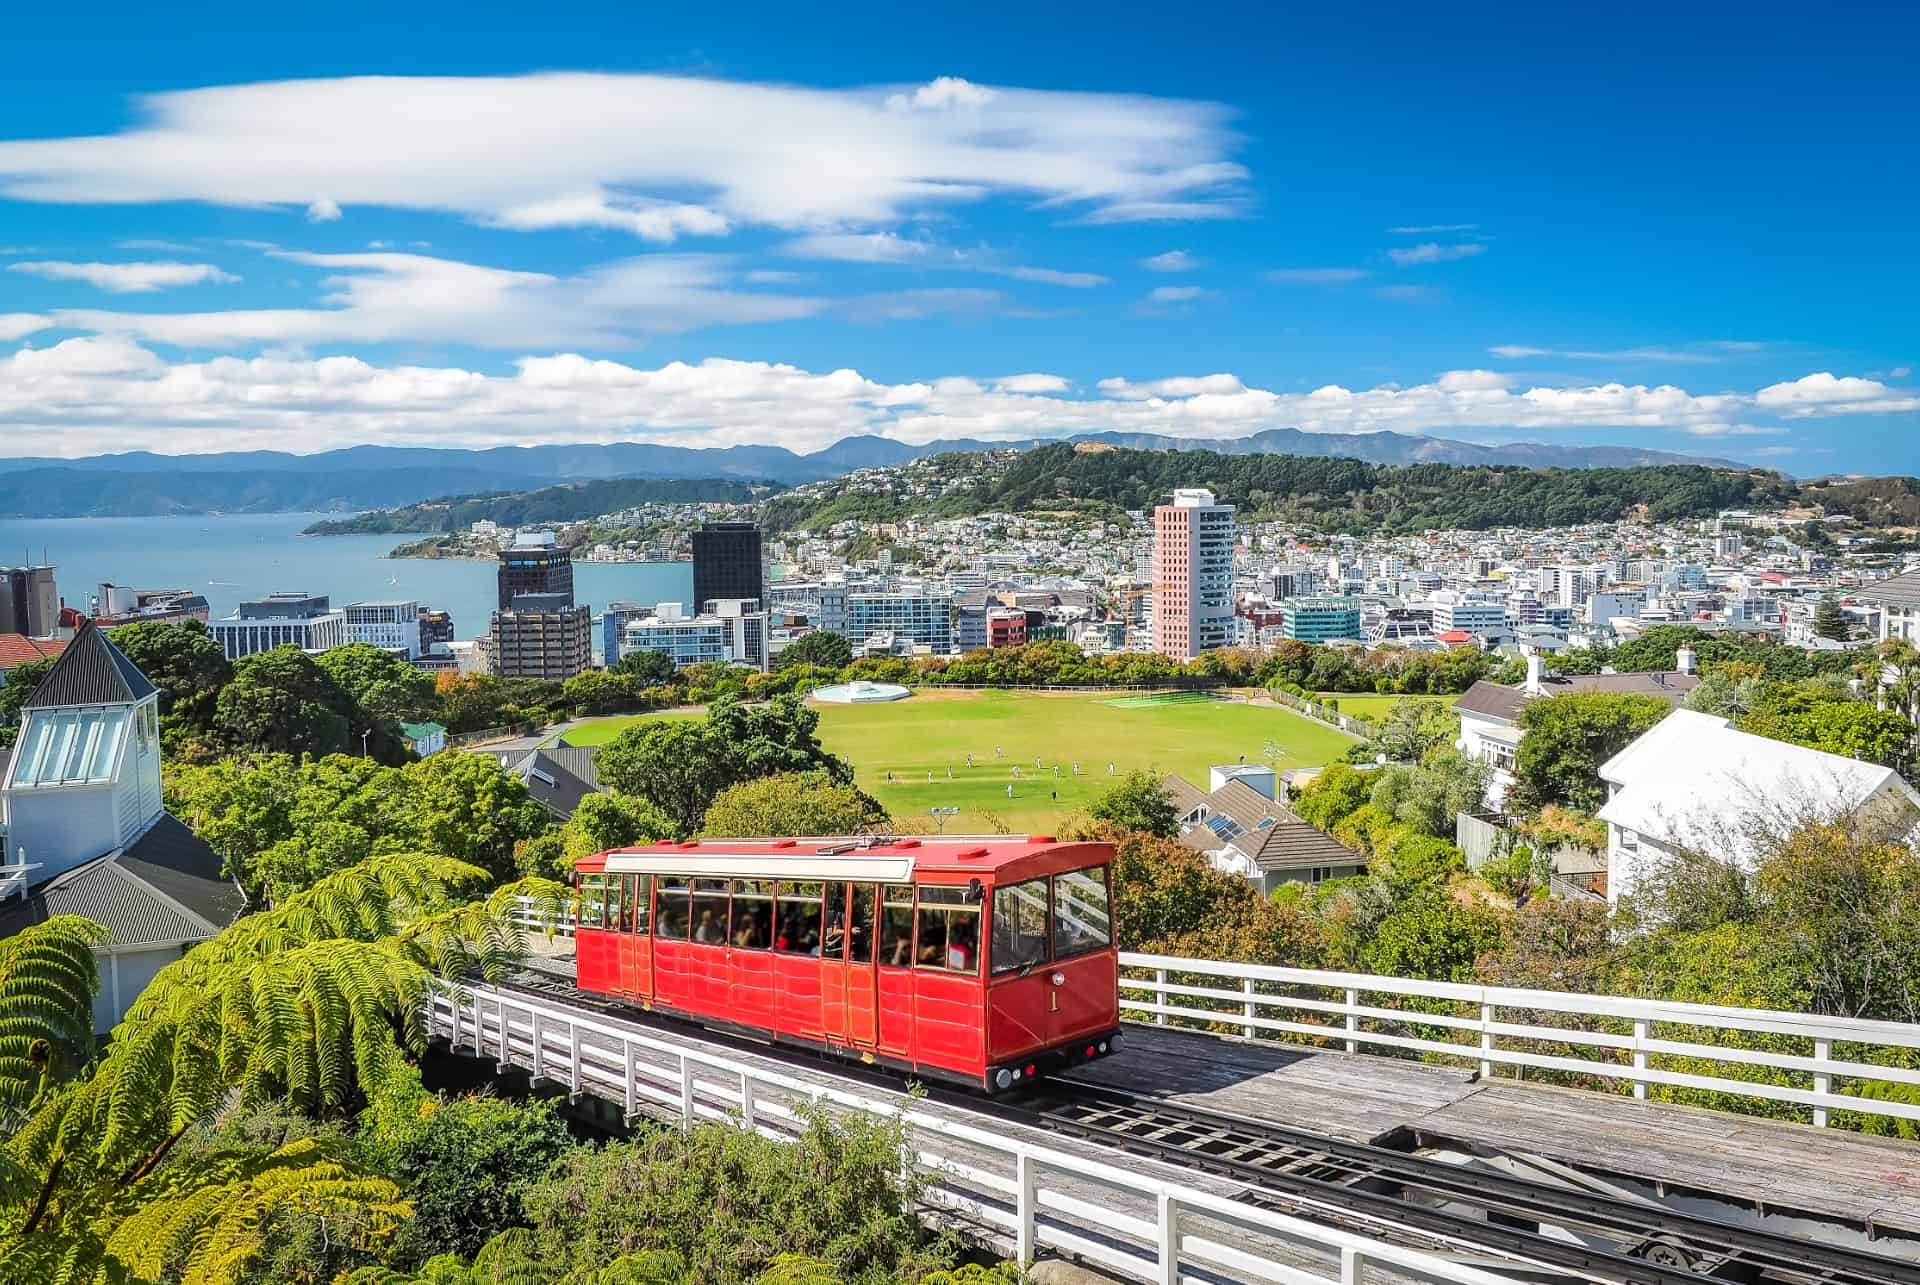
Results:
<point x="1434" y="252"/>
<point x="1054" y="277"/>
<point x="1175" y="294"/>
<point x="656" y="155"/>
<point x="1032" y="384"/>
<point x="1713" y="352"/>
<point x="1514" y="351"/>
<point x="1316" y="276"/>
<point x="1900" y="372"/>
<point x="18" y="325"/>
<point x="378" y="297"/>
<point x="126" y="278"/>
<point x="83" y="396"/>
<point x="1822" y="389"/>
<point x="1172" y="261"/>
<point x="322" y="211"/>
<point x="859" y="247"/>
<point x="1434" y="229"/>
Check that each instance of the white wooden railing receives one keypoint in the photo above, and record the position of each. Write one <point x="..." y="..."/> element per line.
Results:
<point x="1495" y="1027"/>
<point x="1036" y="1197"/>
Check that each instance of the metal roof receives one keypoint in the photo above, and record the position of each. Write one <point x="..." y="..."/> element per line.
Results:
<point x="1896" y="591"/>
<point x="91" y="671"/>
<point x="165" y="887"/>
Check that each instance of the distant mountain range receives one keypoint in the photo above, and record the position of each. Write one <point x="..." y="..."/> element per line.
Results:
<point x="142" y="484"/>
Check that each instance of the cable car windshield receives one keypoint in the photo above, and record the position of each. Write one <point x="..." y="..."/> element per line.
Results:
<point x="1019" y="926"/>
<point x="1082" y="912"/>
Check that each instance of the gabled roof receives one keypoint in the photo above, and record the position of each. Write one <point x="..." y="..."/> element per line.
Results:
<point x="552" y="786"/>
<point x="1503" y="702"/>
<point x="164" y="887"/>
<point x="18" y="649"/>
<point x="91" y="671"/>
<point x="1267" y="833"/>
<point x="1896" y="591"/>
<point x="1696" y="781"/>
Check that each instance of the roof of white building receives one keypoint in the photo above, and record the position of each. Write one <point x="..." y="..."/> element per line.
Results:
<point x="1696" y="781"/>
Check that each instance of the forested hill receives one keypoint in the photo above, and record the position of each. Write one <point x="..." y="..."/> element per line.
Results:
<point x="1351" y="495"/>
<point x="550" y="504"/>
<point x="1335" y="494"/>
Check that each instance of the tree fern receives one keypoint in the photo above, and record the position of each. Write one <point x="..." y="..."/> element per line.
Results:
<point x="47" y="981"/>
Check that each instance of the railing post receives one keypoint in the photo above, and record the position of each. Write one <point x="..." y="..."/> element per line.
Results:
<point x="505" y="1060"/>
<point x="1640" y="1028"/>
<point x="1822" y="1081"/>
<point x="632" y="1078"/>
<point x="1168" y="1263"/>
<point x="1160" y="995"/>
<point x="479" y="1028"/>
<point x="1486" y="1041"/>
<point x="686" y="1093"/>
<point x="453" y="1021"/>
<point x="1353" y="1019"/>
<point x="1247" y="1008"/>
<point x="573" y="1079"/>
<point x="1026" y="1207"/>
<point x="539" y="1049"/>
<point x="746" y="1099"/>
<point x="1353" y="1265"/>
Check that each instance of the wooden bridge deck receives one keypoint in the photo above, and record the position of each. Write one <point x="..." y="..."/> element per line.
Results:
<point x="1779" y="1166"/>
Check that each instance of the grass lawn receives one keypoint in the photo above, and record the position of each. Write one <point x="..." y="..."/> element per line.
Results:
<point x="934" y="731"/>
<point x="1373" y="708"/>
<point x="603" y="730"/>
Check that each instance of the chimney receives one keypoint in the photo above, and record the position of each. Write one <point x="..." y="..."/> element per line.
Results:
<point x="1683" y="660"/>
<point x="1536" y="672"/>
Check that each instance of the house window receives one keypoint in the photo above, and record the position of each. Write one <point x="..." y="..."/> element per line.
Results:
<point x="69" y="747"/>
<point x="1629" y="840"/>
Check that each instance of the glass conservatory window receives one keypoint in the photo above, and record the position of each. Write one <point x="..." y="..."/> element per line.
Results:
<point x="69" y="747"/>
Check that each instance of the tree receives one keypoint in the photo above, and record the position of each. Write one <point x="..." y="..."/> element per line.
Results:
<point x="281" y="701"/>
<point x="1829" y="621"/>
<point x="681" y="764"/>
<point x="819" y="648"/>
<point x="1137" y="801"/>
<point x="648" y="668"/>
<point x="1565" y="739"/>
<point x="21" y="682"/>
<point x="187" y="665"/>
<point x="1333" y="795"/>
<point x="1805" y="714"/>
<point x="1413" y="728"/>
<point x="792" y="803"/>
<point x="380" y="683"/>
<point x="467" y="807"/>
<point x="594" y="691"/>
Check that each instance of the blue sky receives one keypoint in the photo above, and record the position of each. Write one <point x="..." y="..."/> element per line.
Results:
<point x="1690" y="230"/>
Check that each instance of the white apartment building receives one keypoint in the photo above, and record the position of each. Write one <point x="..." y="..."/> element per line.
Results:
<point x="387" y="625"/>
<point x="1483" y="617"/>
<point x="279" y="620"/>
<point x="924" y="618"/>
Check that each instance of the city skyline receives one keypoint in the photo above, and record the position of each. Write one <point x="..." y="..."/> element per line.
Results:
<point x="1489" y="227"/>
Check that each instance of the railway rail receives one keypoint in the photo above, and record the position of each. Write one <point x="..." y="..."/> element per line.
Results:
<point x="1503" y="1223"/>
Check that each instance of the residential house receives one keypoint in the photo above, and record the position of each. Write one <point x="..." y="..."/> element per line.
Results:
<point x="427" y="739"/>
<point x="1490" y="712"/>
<point x="1239" y="826"/>
<point x="1694" y="783"/>
<point x="558" y="777"/>
<point x="84" y="831"/>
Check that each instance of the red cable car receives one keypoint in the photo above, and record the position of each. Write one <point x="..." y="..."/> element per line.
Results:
<point x="977" y="960"/>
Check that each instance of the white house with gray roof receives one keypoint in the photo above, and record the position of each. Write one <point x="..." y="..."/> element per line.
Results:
<point x="85" y="831"/>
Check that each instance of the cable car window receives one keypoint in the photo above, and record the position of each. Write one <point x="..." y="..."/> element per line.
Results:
<point x="593" y="901"/>
<point x="752" y="914"/>
<point x="835" y="946"/>
<point x="896" y="926"/>
<point x="710" y="912"/>
<point x="860" y="935"/>
<point x="671" y="910"/>
<point x="949" y="930"/>
<point x="640" y="901"/>
<point x="629" y="885"/>
<point x="1082" y="912"/>
<point x="798" y="910"/>
<point x="613" y="902"/>
<point x="1019" y="926"/>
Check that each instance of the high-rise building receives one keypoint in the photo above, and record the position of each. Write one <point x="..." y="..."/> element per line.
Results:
<point x="304" y="620"/>
<point x="613" y="623"/>
<point x="924" y="619"/>
<point x="542" y="637"/>
<point x="390" y="626"/>
<point x="436" y="629"/>
<point x="727" y="563"/>
<point x="534" y="563"/>
<point x="1192" y="575"/>
<point x="29" y="602"/>
<point x="1321" y="619"/>
<point x="1006" y="627"/>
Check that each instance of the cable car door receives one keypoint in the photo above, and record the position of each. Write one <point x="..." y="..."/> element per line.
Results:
<point x="862" y="974"/>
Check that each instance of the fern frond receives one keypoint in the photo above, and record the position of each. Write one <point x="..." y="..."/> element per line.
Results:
<point x="47" y="982"/>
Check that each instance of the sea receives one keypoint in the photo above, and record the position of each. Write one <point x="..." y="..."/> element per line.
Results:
<point x="229" y="557"/>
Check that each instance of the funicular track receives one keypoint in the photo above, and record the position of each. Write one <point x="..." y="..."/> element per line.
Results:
<point x="1522" y="1228"/>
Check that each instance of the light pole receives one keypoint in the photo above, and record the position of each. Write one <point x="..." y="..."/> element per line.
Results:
<point x="940" y="816"/>
<point x="363" y="741"/>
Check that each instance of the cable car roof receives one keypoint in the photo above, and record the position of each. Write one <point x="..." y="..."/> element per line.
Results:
<point x="832" y="857"/>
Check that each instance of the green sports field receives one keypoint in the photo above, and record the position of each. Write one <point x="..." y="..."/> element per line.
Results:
<point x="933" y="732"/>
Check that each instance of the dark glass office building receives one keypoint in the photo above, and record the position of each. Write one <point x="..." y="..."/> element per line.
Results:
<point x="535" y="564"/>
<point x="726" y="564"/>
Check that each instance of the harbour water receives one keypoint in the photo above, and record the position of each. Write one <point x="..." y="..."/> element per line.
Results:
<point x="230" y="557"/>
